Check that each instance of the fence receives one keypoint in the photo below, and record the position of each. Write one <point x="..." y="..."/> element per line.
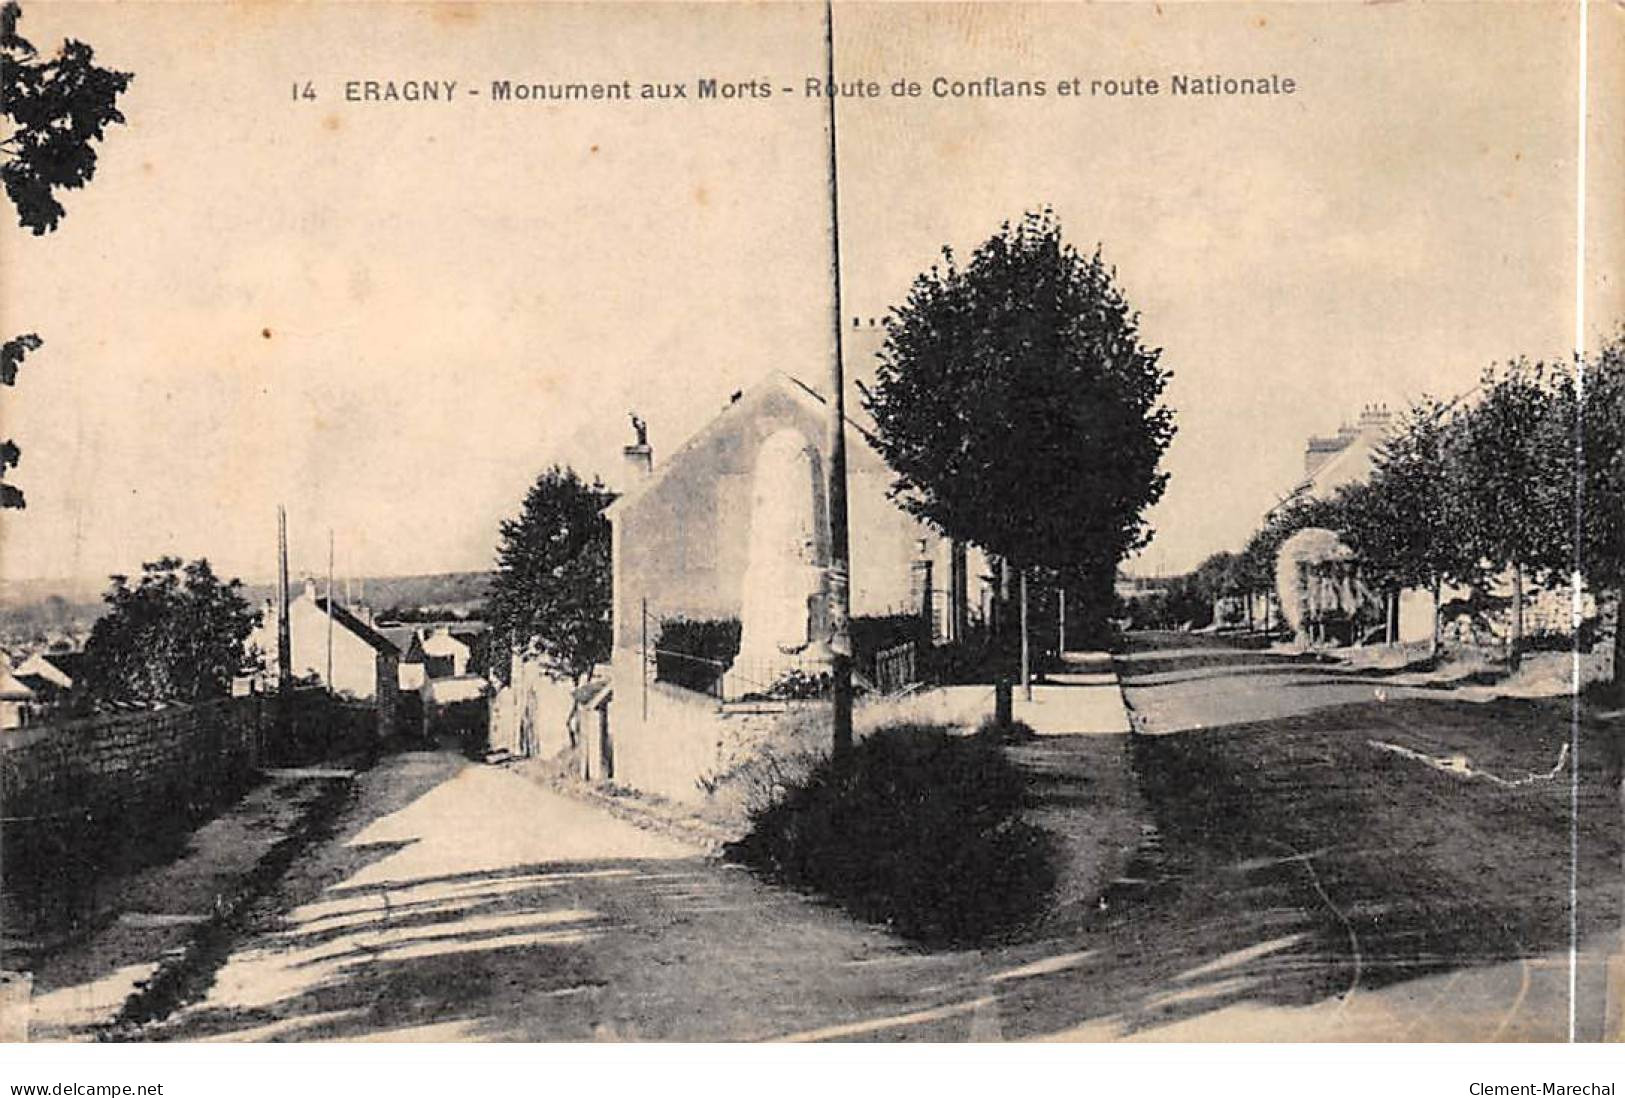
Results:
<point x="896" y="668"/>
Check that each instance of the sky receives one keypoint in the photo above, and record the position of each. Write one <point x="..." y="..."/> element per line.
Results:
<point x="391" y="316"/>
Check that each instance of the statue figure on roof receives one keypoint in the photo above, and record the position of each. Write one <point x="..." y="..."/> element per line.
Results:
<point x="641" y="428"/>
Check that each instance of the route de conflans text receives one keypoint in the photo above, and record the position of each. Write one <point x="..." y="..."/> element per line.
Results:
<point x="937" y="87"/>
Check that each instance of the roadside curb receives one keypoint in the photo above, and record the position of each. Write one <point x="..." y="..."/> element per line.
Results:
<point x="1132" y="716"/>
<point x="661" y="818"/>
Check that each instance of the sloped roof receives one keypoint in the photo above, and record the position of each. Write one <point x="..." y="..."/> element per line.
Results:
<point x="401" y="636"/>
<point x="776" y="380"/>
<point x="40" y="685"/>
<point x="13" y="688"/>
<point x="361" y="629"/>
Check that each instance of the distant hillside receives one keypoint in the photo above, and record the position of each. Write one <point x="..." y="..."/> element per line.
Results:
<point x="448" y="591"/>
<point x="33" y="608"/>
<point x="25" y="592"/>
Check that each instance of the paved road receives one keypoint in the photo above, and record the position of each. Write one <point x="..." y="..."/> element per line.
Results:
<point x="1181" y="682"/>
<point x="466" y="902"/>
<point x="1422" y="894"/>
<point x="1289" y="882"/>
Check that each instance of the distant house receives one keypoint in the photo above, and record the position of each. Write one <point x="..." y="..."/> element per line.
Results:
<point x="60" y="669"/>
<point x="451" y="689"/>
<point x="364" y="661"/>
<point x="17" y="701"/>
<point x="446" y="643"/>
<point x="1348" y="457"/>
<point x="433" y="652"/>
<point x="51" y="678"/>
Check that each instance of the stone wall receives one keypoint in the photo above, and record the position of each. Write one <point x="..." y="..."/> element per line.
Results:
<point x="83" y="797"/>
<point x="127" y="758"/>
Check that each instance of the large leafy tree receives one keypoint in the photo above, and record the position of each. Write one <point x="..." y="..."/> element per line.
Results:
<point x="550" y="600"/>
<point x="1405" y="522"/>
<point x="177" y="634"/>
<point x="1218" y="577"/>
<point x="57" y="108"/>
<point x="1018" y="407"/>
<point x="1500" y="470"/>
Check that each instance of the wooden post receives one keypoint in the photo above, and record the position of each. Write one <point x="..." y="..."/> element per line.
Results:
<point x="1026" y="644"/>
<point x="1003" y="700"/>
<point x="330" y="611"/>
<point x="284" y="635"/>
<point x="1515" y="641"/>
<point x="837" y="575"/>
<point x="1438" y="624"/>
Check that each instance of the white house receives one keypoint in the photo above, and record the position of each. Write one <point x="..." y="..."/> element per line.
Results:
<point x="364" y="661"/>
<point x="733" y="527"/>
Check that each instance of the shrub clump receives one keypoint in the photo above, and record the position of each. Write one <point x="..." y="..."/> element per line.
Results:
<point x="694" y="653"/>
<point x="920" y="830"/>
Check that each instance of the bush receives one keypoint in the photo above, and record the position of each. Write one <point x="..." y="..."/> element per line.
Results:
<point x="1558" y="640"/>
<point x="920" y="831"/>
<point x="794" y="684"/>
<point x="694" y="653"/>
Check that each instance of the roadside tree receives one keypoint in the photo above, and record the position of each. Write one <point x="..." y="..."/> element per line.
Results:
<point x="1405" y="522"/>
<point x="551" y="597"/>
<point x="11" y="357"/>
<point x="1501" y="472"/>
<point x="1019" y="409"/>
<point x="178" y="634"/>
<point x="1583" y="449"/>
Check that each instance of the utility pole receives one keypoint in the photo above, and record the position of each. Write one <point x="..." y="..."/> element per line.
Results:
<point x="1026" y="644"/>
<point x="330" y="610"/>
<point x="284" y="634"/>
<point x="1061" y="614"/>
<point x="1003" y="691"/>
<point x="837" y="576"/>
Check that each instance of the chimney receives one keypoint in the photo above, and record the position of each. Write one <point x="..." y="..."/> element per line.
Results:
<point x="640" y="456"/>
<point x="310" y="588"/>
<point x="1375" y="417"/>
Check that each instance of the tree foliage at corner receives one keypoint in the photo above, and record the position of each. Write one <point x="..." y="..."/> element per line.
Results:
<point x="57" y="107"/>
<point x="178" y="634"/>
<point x="1584" y="448"/>
<point x="1255" y="567"/>
<point x="11" y="357"/>
<point x="551" y="596"/>
<point x="1018" y="407"/>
